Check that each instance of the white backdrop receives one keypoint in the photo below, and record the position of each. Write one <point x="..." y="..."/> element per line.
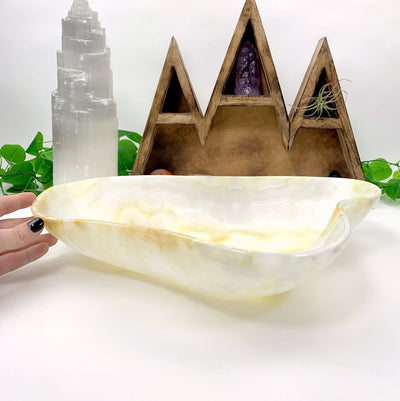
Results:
<point x="364" y="37"/>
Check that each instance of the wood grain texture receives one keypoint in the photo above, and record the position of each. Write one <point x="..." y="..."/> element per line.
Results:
<point x="317" y="152"/>
<point x="231" y="147"/>
<point x="227" y="100"/>
<point x="332" y="123"/>
<point x="174" y="118"/>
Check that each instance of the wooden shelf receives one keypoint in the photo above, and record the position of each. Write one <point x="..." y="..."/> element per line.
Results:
<point x="175" y="118"/>
<point x="247" y="135"/>
<point x="322" y="123"/>
<point x="321" y="71"/>
<point x="233" y="100"/>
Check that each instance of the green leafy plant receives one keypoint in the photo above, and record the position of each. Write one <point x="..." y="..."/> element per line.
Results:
<point x="128" y="143"/>
<point x="385" y="175"/>
<point x="26" y="170"/>
<point x="31" y="169"/>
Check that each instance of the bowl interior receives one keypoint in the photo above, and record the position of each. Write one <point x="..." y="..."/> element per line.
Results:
<point x="268" y="214"/>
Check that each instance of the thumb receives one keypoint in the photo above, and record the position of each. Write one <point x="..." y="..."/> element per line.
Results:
<point x="20" y="235"/>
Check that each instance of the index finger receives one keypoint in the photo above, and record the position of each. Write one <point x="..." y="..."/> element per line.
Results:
<point x="11" y="203"/>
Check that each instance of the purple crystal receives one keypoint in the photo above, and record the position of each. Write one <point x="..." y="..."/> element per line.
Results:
<point x="247" y="80"/>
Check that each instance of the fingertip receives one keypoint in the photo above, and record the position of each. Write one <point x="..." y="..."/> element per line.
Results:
<point x="26" y="198"/>
<point x="29" y="195"/>
<point x="43" y="247"/>
<point x="53" y="241"/>
<point x="14" y="260"/>
<point x="37" y="251"/>
<point x="11" y="203"/>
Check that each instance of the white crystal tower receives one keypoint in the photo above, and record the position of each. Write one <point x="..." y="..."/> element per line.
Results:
<point x="85" y="127"/>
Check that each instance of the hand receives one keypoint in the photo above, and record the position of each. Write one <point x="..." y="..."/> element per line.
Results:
<point x="20" y="239"/>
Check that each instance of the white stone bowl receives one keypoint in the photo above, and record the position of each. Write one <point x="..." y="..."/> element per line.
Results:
<point x="231" y="237"/>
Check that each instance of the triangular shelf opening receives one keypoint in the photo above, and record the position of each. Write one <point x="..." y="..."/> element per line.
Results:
<point x="322" y="104"/>
<point x="229" y="88"/>
<point x="175" y="101"/>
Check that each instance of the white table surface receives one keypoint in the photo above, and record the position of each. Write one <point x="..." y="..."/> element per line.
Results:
<point x="72" y="328"/>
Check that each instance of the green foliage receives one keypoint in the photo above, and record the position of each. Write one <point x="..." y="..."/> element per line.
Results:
<point x="23" y="174"/>
<point x="133" y="136"/>
<point x="385" y="175"/>
<point x="128" y="144"/>
<point x="19" y="172"/>
<point x="13" y="153"/>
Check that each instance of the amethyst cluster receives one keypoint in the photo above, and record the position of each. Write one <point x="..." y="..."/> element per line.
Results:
<point x="247" y="79"/>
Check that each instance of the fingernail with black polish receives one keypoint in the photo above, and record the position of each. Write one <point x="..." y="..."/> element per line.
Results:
<point x="36" y="225"/>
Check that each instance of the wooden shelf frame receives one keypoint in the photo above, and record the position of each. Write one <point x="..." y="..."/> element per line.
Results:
<point x="173" y="63"/>
<point x="322" y="61"/>
<point x="246" y="135"/>
<point x="249" y="15"/>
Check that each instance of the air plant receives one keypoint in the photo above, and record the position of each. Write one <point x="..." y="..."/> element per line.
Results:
<point x="324" y="103"/>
